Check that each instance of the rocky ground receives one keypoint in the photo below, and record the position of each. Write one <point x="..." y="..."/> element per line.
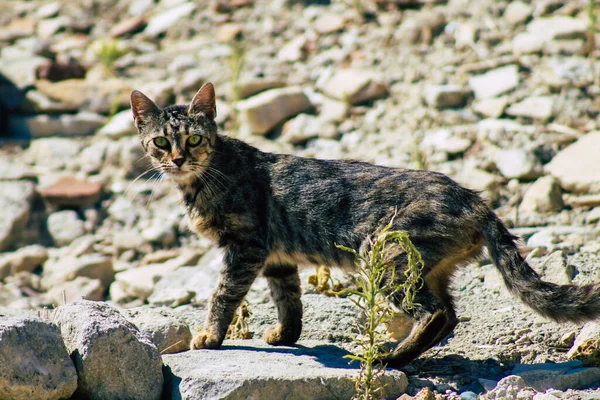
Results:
<point x="501" y="95"/>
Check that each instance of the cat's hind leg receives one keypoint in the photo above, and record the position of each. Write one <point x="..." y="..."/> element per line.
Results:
<point x="284" y="283"/>
<point x="433" y="320"/>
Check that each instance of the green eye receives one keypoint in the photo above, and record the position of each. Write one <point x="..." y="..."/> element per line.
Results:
<point x="194" y="140"/>
<point x="161" y="142"/>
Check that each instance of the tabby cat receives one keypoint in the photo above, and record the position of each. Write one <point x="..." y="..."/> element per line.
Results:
<point x="271" y="212"/>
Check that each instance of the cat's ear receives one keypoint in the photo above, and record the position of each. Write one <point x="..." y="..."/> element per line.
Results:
<point x="204" y="101"/>
<point x="144" y="109"/>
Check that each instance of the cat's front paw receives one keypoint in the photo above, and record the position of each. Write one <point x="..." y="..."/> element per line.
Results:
<point x="275" y="335"/>
<point x="205" y="340"/>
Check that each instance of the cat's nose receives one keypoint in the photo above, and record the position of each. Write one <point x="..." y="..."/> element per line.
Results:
<point x="179" y="161"/>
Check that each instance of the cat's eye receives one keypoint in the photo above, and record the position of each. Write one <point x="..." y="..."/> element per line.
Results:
<point x="161" y="142"/>
<point x="194" y="140"/>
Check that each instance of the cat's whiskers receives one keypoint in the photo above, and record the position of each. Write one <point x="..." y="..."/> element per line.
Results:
<point x="152" y="168"/>
<point x="161" y="175"/>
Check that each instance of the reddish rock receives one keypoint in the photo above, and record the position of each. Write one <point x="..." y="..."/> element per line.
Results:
<point x="72" y="192"/>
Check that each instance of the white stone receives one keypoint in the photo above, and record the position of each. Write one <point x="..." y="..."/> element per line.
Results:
<point x="15" y="203"/>
<point x="121" y="124"/>
<point x="490" y="108"/>
<point x="518" y="163"/>
<point x="517" y="12"/>
<point x="495" y="82"/>
<point x="354" y="86"/>
<point x="577" y="167"/>
<point x="161" y="22"/>
<point x="261" y="113"/>
<point x="543" y="196"/>
<point x="65" y="226"/>
<point x="536" y="107"/>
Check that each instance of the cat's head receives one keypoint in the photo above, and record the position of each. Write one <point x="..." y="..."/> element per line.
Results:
<point x="179" y="140"/>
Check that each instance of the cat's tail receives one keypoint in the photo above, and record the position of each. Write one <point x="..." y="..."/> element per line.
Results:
<point x="561" y="303"/>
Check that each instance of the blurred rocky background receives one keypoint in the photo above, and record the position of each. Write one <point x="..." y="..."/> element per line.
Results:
<point x="503" y="96"/>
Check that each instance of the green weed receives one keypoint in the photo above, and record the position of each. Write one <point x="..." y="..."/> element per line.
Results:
<point x="108" y="52"/>
<point x="372" y="294"/>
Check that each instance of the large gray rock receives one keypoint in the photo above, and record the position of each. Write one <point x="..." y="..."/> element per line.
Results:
<point x="113" y="359"/>
<point x="582" y="175"/>
<point x="35" y="362"/>
<point x="83" y="123"/>
<point x="253" y="370"/>
<point x="161" y="22"/>
<point x="65" y="269"/>
<point x="15" y="203"/>
<point x="518" y="163"/>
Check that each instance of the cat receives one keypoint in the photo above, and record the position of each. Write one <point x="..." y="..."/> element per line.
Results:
<point x="271" y="212"/>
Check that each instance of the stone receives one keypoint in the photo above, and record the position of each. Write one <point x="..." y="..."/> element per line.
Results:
<point x="229" y="32"/>
<point x="302" y="128"/>
<point x="60" y="71"/>
<point x="444" y="140"/>
<point x="535" y="107"/>
<point x="67" y="268"/>
<point x="80" y="124"/>
<point x="15" y="204"/>
<point x="543" y="196"/>
<point x="249" y="88"/>
<point x="518" y="164"/>
<point x="329" y="23"/>
<point x="161" y="22"/>
<point x="333" y="111"/>
<point x="27" y="258"/>
<point x="113" y="359"/>
<point x="517" y="12"/>
<point x="555" y="268"/>
<point x="38" y="103"/>
<point x="490" y="108"/>
<point x="561" y="376"/>
<point x="139" y="282"/>
<point x="165" y="329"/>
<point x="77" y="289"/>
<point x="559" y="27"/>
<point x="527" y="43"/>
<point x="53" y="153"/>
<point x="495" y="82"/>
<point x="35" y="362"/>
<point x="507" y="388"/>
<point x="354" y="86"/>
<point x="582" y="175"/>
<point x="180" y="287"/>
<point x="128" y="26"/>
<point x="586" y="347"/>
<point x="261" y="113"/>
<point x="445" y="96"/>
<point x="88" y="95"/>
<point x="476" y="179"/>
<point x="64" y="227"/>
<point x="568" y="71"/>
<point x="21" y="71"/>
<point x="48" y="10"/>
<point x="160" y="233"/>
<point x="294" y="50"/>
<point x="72" y="192"/>
<point x="250" y="369"/>
<point x="542" y="33"/>
<point x="12" y="171"/>
<point x="121" y="124"/>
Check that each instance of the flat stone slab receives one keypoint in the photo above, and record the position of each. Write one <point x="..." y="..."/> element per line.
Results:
<point x="250" y="369"/>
